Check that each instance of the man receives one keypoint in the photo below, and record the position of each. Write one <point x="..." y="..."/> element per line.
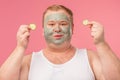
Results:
<point x="60" y="60"/>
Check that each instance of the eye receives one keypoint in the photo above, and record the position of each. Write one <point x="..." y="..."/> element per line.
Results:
<point x="64" y="24"/>
<point x="51" y="24"/>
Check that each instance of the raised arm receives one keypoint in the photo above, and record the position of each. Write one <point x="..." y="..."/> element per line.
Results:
<point x="11" y="67"/>
<point x="109" y="61"/>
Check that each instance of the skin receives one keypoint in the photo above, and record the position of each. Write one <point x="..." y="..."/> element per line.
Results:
<point x="104" y="62"/>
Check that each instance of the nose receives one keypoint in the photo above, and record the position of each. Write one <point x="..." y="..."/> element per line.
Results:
<point x="57" y="29"/>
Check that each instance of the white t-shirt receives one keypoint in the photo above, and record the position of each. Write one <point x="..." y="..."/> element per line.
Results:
<point x="77" y="68"/>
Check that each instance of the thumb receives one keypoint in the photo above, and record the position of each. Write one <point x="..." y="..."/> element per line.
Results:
<point x="88" y="23"/>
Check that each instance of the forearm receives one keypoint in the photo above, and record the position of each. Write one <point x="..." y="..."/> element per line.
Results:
<point x="110" y="62"/>
<point x="11" y="67"/>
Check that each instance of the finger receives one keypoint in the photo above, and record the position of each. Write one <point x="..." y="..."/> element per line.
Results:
<point x="93" y="24"/>
<point x="93" y="34"/>
<point x="87" y="23"/>
<point x="26" y="35"/>
<point x="23" y="26"/>
<point x="93" y="29"/>
<point x="23" y="29"/>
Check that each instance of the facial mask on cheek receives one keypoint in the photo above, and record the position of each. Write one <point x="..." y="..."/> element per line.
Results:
<point x="65" y="31"/>
<point x="48" y="32"/>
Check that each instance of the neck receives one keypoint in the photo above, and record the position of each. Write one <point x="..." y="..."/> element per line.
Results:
<point x="59" y="48"/>
<point x="59" y="54"/>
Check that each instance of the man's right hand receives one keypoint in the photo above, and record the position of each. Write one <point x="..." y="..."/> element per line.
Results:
<point x="23" y="35"/>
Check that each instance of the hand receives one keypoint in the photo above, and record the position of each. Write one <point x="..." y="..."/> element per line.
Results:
<point x="97" y="32"/>
<point x="23" y="35"/>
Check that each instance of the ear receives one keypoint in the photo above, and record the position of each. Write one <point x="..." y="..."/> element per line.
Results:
<point x="72" y="28"/>
<point x="42" y="31"/>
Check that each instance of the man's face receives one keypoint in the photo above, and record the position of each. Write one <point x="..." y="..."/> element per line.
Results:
<point x="57" y="27"/>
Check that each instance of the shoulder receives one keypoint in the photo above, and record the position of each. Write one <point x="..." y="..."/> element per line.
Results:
<point x="27" y="60"/>
<point x="95" y="64"/>
<point x="92" y="54"/>
<point x="93" y="57"/>
<point x="25" y="66"/>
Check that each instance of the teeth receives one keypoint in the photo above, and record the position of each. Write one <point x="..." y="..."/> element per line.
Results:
<point x="85" y="22"/>
<point x="32" y="26"/>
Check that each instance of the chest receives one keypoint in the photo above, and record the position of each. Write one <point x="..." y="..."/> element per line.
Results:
<point x="74" y="69"/>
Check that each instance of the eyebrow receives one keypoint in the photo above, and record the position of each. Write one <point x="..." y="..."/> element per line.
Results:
<point x="63" y="21"/>
<point x="59" y="20"/>
<point x="51" y="21"/>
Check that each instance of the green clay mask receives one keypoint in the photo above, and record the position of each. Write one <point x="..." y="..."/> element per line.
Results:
<point x="57" y="28"/>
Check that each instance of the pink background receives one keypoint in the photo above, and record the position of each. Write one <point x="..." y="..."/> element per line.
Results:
<point x="13" y="13"/>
